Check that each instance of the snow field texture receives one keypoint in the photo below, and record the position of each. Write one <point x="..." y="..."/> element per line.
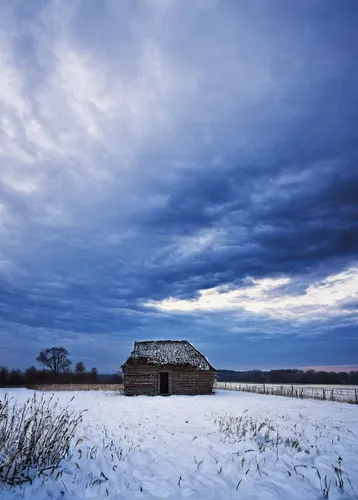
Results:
<point x="224" y="446"/>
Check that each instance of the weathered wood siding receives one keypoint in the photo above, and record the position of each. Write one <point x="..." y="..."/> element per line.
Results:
<point x="191" y="381"/>
<point x="142" y="379"/>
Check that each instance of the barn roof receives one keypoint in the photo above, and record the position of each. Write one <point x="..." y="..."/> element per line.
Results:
<point x="169" y="352"/>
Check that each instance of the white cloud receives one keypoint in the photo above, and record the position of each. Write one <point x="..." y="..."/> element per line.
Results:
<point x="320" y="300"/>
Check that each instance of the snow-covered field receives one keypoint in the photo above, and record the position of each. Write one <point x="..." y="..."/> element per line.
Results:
<point x="229" y="445"/>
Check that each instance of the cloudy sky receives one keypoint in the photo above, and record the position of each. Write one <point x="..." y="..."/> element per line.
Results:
<point x="179" y="169"/>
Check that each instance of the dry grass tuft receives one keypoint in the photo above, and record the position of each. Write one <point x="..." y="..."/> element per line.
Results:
<point x="34" y="438"/>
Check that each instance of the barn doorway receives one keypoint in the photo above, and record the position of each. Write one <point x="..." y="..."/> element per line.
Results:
<point x="164" y="383"/>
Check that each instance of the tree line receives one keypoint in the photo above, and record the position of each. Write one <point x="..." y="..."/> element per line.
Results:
<point x="289" y="377"/>
<point x="55" y="367"/>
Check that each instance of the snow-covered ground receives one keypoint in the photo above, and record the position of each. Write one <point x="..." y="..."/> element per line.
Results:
<point x="229" y="445"/>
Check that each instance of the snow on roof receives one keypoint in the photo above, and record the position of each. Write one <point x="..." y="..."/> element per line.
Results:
<point x="170" y="352"/>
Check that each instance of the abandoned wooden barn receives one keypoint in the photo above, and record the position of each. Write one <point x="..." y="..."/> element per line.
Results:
<point x="164" y="367"/>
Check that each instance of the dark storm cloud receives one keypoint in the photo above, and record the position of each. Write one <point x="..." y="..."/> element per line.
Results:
<point x="297" y="221"/>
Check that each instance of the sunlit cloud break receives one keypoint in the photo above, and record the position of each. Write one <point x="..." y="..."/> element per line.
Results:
<point x="335" y="295"/>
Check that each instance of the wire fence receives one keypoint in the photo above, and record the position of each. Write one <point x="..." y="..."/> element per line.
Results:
<point x="343" y="395"/>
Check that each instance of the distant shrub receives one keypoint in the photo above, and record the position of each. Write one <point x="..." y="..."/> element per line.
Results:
<point x="34" y="438"/>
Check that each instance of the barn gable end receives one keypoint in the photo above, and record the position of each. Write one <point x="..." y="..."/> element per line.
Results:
<point x="167" y="367"/>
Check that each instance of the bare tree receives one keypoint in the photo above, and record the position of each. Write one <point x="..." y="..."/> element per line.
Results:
<point x="55" y="359"/>
<point x="80" y="368"/>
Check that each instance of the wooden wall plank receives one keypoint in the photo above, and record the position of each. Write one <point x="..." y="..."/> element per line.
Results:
<point x="144" y="379"/>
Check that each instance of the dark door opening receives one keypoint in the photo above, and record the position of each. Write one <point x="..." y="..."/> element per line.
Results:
<point x="164" y="383"/>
